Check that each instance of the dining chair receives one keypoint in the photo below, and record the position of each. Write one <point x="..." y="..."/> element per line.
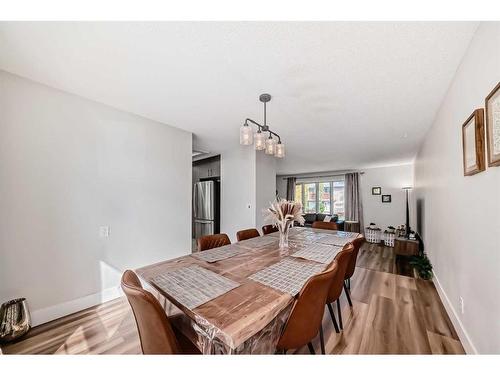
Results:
<point x="306" y="316"/>
<point x="330" y="225"/>
<point x="336" y="287"/>
<point x="246" y="234"/>
<point x="268" y="229"/>
<point x="156" y="334"/>
<point x="212" y="241"/>
<point x="351" y="267"/>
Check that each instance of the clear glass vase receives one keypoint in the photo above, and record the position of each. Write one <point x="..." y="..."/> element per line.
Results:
<point x="284" y="229"/>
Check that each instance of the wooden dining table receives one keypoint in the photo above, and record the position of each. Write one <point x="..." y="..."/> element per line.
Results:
<point x="249" y="318"/>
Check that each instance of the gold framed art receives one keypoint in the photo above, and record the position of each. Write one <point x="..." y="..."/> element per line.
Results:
<point x="473" y="143"/>
<point x="492" y="105"/>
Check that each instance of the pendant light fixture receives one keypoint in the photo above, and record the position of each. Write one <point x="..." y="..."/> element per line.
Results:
<point x="247" y="137"/>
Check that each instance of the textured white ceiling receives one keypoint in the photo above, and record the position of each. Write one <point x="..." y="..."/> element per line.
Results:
<point x="345" y="94"/>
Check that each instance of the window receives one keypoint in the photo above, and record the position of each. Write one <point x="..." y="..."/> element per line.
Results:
<point x="325" y="197"/>
<point x="309" y="198"/>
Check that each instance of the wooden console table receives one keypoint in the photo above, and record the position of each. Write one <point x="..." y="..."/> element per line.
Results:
<point x="404" y="246"/>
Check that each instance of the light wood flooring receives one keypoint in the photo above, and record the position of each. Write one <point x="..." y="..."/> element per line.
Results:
<point x="392" y="314"/>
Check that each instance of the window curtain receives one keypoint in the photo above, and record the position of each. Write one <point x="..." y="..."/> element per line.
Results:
<point x="290" y="188"/>
<point x="353" y="204"/>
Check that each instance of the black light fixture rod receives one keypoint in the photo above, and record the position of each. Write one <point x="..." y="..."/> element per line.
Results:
<point x="263" y="128"/>
<point x="265" y="122"/>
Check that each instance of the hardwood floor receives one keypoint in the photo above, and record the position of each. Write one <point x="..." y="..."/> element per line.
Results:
<point x="392" y="314"/>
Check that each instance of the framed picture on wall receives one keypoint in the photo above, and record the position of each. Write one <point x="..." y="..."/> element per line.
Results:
<point x="376" y="190"/>
<point x="492" y="105"/>
<point x="386" y="198"/>
<point x="473" y="143"/>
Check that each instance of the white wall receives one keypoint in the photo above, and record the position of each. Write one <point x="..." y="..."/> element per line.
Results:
<point x="391" y="179"/>
<point x="68" y="166"/>
<point x="248" y="184"/>
<point x="265" y="186"/>
<point x="460" y="216"/>
<point x="238" y="194"/>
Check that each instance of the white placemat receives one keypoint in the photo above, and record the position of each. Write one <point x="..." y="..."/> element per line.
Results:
<point x="194" y="285"/>
<point x="219" y="253"/>
<point x="346" y="234"/>
<point x="318" y="253"/>
<point x="335" y="240"/>
<point x="258" y="242"/>
<point x="287" y="276"/>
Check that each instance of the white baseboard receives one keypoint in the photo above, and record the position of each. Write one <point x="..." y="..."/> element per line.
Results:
<point x="57" y="311"/>
<point x="455" y="320"/>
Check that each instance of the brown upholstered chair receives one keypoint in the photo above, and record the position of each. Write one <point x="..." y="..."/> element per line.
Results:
<point x="268" y="229"/>
<point x="246" y="234"/>
<point x="306" y="316"/>
<point x="351" y="267"/>
<point x="342" y="259"/>
<point x="330" y="225"/>
<point x="212" y="241"/>
<point x="156" y="333"/>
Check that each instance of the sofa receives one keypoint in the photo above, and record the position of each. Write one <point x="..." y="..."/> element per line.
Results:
<point x="311" y="218"/>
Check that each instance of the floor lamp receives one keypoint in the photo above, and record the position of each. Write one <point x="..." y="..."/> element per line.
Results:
<point x="407" y="190"/>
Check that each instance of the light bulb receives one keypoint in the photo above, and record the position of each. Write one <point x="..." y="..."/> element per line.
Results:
<point x="260" y="140"/>
<point x="280" y="150"/>
<point x="270" y="146"/>
<point x="246" y="135"/>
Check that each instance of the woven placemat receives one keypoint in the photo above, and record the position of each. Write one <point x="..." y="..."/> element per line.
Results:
<point x="219" y="253"/>
<point x="335" y="240"/>
<point x="194" y="285"/>
<point x="288" y="276"/>
<point x="318" y="253"/>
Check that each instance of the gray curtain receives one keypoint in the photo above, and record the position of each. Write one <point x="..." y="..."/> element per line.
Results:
<point x="353" y="204"/>
<point x="290" y="188"/>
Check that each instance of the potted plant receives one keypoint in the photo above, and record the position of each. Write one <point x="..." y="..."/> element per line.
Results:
<point x="422" y="265"/>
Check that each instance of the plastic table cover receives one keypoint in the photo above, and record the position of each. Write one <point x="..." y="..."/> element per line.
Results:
<point x="248" y="319"/>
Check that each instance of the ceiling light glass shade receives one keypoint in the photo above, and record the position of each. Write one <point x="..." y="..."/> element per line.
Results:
<point x="259" y="141"/>
<point x="246" y="135"/>
<point x="270" y="146"/>
<point x="280" y="150"/>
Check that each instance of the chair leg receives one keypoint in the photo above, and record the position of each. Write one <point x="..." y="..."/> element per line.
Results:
<point x="347" y="294"/>
<point x="335" y="325"/>
<point x="322" y="339"/>
<point x="340" y="314"/>
<point x="311" y="348"/>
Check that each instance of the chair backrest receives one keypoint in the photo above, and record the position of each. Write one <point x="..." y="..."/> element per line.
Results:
<point x="212" y="241"/>
<point x="307" y="311"/>
<point x="155" y="331"/>
<point x="354" y="256"/>
<point x="337" y="285"/>
<point x="267" y="229"/>
<point x="325" y="225"/>
<point x="246" y="234"/>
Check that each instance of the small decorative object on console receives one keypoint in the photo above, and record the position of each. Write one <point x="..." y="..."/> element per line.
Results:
<point x="282" y="214"/>
<point x="373" y="233"/>
<point x="389" y="236"/>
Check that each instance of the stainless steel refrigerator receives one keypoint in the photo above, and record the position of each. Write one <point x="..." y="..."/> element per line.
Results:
<point x="206" y="208"/>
